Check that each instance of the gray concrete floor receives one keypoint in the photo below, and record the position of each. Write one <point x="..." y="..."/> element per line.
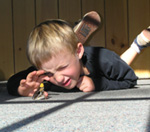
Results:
<point x="107" y="111"/>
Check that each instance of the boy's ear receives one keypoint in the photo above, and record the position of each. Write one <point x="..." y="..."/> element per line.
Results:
<point x="80" y="50"/>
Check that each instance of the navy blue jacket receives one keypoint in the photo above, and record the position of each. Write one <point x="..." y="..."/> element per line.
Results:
<point x="107" y="71"/>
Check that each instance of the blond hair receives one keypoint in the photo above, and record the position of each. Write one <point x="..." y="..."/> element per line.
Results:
<point x="49" y="39"/>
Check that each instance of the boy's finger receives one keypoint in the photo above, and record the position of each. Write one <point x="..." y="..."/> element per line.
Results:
<point x="46" y="78"/>
<point x="40" y="79"/>
<point x="82" y="87"/>
<point x="31" y="76"/>
<point x="22" y="82"/>
<point x="35" y="78"/>
<point x="38" y="75"/>
<point x="41" y="76"/>
<point x="40" y="72"/>
<point x="46" y="95"/>
<point x="31" y="94"/>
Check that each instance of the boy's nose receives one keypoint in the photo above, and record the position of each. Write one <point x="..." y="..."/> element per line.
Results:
<point x="59" y="78"/>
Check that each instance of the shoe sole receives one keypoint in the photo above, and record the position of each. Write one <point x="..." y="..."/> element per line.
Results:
<point x="87" y="26"/>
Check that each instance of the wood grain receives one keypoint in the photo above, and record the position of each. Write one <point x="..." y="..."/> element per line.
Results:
<point x="6" y="40"/>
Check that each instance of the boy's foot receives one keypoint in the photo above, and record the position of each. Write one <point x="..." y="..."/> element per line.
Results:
<point x="143" y="39"/>
<point x="89" y="23"/>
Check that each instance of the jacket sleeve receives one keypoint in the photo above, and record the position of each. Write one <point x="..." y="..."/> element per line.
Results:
<point x="14" y="81"/>
<point x="103" y="84"/>
<point x="112" y="72"/>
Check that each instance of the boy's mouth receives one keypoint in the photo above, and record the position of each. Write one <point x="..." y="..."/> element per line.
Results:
<point x="67" y="83"/>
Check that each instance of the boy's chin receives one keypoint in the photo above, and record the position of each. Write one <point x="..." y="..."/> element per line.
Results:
<point x="72" y="86"/>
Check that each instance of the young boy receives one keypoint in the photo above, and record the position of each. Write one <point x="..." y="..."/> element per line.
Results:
<point x="59" y="58"/>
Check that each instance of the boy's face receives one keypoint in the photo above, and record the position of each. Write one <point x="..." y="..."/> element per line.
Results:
<point x="64" y="69"/>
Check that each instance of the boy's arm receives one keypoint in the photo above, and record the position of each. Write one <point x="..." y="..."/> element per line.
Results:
<point x="108" y="70"/>
<point x="14" y="81"/>
<point x="85" y="84"/>
<point x="103" y="83"/>
<point x="116" y="74"/>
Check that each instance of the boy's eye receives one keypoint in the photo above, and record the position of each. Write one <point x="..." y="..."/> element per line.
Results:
<point x="61" y="68"/>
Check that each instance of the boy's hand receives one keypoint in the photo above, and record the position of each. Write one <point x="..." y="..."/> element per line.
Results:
<point x="29" y="85"/>
<point x="85" y="84"/>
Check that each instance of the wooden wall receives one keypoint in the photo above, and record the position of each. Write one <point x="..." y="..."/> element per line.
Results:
<point x="122" y="20"/>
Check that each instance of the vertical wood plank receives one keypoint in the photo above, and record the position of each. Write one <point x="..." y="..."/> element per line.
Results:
<point x="70" y="10"/>
<point x="6" y="40"/>
<point x="116" y="25"/>
<point x="98" y="38"/>
<point x="24" y="21"/>
<point x="46" y="9"/>
<point x="115" y="20"/>
<point x="139" y="19"/>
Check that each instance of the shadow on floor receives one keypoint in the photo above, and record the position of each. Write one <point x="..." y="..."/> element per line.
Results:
<point x="66" y="103"/>
<point x="38" y="116"/>
<point x="148" y="123"/>
<point x="4" y="96"/>
<point x="83" y="100"/>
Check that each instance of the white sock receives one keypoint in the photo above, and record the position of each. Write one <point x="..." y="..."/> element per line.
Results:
<point x="142" y="40"/>
<point x="135" y="47"/>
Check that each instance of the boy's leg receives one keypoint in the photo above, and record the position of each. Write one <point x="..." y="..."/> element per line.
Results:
<point x="140" y="42"/>
<point x="129" y="55"/>
<point x="88" y="24"/>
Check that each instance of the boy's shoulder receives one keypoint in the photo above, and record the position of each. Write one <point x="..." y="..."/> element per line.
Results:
<point x="101" y="55"/>
<point x="98" y="51"/>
